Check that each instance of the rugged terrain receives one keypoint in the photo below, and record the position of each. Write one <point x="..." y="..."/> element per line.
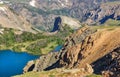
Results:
<point x="93" y="46"/>
<point x="106" y="11"/>
<point x="25" y="38"/>
<point x="42" y="13"/>
<point x="9" y="19"/>
<point x="109" y="64"/>
<point x="88" y="51"/>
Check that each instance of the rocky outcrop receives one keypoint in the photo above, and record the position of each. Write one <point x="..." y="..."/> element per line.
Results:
<point x="109" y="65"/>
<point x="90" y="49"/>
<point x="73" y="23"/>
<point x="104" y="12"/>
<point x="85" y="46"/>
<point x="61" y="72"/>
<point x="54" y="58"/>
<point x="61" y="23"/>
<point x="29" y="67"/>
<point x="53" y="4"/>
<point x="45" y="62"/>
<point x="73" y="42"/>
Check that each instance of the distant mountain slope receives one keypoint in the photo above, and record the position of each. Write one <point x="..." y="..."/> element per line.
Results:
<point x="106" y="11"/>
<point x="9" y="19"/>
<point x="42" y="13"/>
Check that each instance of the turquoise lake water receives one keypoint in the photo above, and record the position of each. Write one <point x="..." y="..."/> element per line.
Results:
<point x="58" y="48"/>
<point x="12" y="63"/>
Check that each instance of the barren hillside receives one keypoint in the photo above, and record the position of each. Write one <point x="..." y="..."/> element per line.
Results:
<point x="9" y="19"/>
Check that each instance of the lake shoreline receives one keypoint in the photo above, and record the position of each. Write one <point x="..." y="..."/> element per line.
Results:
<point x="19" y="51"/>
<point x="12" y="62"/>
<point x="57" y="48"/>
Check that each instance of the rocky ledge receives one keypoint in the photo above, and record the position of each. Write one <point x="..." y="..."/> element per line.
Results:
<point x="96" y="47"/>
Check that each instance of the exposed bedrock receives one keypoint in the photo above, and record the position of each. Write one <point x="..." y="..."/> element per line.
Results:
<point x="86" y="46"/>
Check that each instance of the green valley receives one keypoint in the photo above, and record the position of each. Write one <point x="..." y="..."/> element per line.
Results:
<point x="36" y="44"/>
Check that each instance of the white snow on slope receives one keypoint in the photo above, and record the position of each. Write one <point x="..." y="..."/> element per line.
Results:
<point x="32" y="3"/>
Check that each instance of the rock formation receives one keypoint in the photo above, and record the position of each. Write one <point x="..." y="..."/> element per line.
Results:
<point x="46" y="62"/>
<point x="86" y="46"/>
<point x="109" y="65"/>
<point x="62" y="21"/>
<point x="106" y="11"/>
<point x="91" y="48"/>
<point x="30" y="65"/>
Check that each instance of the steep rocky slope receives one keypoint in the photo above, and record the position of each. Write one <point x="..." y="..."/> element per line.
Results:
<point x="86" y="46"/>
<point x="42" y="13"/>
<point x="81" y="72"/>
<point x="61" y="23"/>
<point x="106" y="11"/>
<point x="90" y="48"/>
<point x="9" y="19"/>
<point x="109" y="64"/>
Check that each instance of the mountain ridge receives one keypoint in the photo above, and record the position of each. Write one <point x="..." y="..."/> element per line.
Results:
<point x="82" y="47"/>
<point x="90" y="12"/>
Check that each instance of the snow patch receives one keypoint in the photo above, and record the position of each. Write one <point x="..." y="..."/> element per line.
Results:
<point x="64" y="3"/>
<point x="3" y="9"/>
<point x="32" y="3"/>
<point x="1" y="2"/>
<point x="1" y="31"/>
<point x="61" y="3"/>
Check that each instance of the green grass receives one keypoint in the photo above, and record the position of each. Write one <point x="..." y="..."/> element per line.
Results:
<point x="51" y="73"/>
<point x="36" y="44"/>
<point x="1" y="5"/>
<point x="50" y="46"/>
<point x="105" y="27"/>
<point x="30" y="74"/>
<point x="109" y="24"/>
<point x="112" y="3"/>
<point x="94" y="75"/>
<point x="112" y="22"/>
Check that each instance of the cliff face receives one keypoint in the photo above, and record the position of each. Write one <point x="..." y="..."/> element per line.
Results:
<point x="92" y="47"/>
<point x="86" y="46"/>
<point x="61" y="23"/>
<point x="104" y="12"/>
<point x="109" y="64"/>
